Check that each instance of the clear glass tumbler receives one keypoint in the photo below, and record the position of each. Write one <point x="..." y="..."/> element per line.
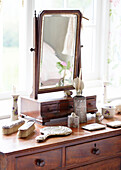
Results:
<point x="80" y="108"/>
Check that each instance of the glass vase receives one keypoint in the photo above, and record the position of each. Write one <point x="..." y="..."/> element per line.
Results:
<point x="15" y="108"/>
<point x="80" y="108"/>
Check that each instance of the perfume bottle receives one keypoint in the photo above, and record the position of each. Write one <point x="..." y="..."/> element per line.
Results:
<point x="80" y="108"/>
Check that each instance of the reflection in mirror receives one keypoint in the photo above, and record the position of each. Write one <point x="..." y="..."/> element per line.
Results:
<point x="58" y="43"/>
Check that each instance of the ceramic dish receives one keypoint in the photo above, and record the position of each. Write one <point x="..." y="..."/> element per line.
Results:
<point x="108" y="111"/>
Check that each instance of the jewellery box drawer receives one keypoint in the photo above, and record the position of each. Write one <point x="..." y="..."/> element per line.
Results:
<point x="45" y="160"/>
<point x="92" y="151"/>
<point x="91" y="104"/>
<point x="49" y="108"/>
<point x="57" y="107"/>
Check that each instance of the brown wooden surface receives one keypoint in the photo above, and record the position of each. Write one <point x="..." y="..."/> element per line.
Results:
<point x="70" y="151"/>
<point x="91" y="104"/>
<point x="11" y="143"/>
<point x="31" y="106"/>
<point x="48" y="108"/>
<point x="111" y="164"/>
<point x="84" y="152"/>
<point x="48" y="160"/>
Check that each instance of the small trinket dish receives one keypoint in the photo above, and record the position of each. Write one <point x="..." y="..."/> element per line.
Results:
<point x="73" y="120"/>
<point x="108" y="111"/>
<point x="114" y="124"/>
<point x="93" y="126"/>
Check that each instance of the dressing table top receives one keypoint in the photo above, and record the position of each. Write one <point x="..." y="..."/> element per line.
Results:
<point x="11" y="144"/>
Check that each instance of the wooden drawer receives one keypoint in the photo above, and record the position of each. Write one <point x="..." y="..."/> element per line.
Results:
<point x="45" y="160"/>
<point x="111" y="164"/>
<point x="49" y="108"/>
<point x="91" y="105"/>
<point x="66" y="105"/>
<point x="58" y="107"/>
<point x="92" y="151"/>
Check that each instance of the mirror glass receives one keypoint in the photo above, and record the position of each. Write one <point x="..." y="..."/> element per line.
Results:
<point x="58" y="44"/>
<point x="57" y="50"/>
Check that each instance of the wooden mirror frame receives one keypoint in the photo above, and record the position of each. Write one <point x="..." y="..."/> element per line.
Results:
<point x="37" y="50"/>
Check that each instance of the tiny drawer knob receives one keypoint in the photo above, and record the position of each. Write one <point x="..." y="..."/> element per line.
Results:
<point x="89" y="104"/>
<point x="32" y="49"/>
<point x="96" y="151"/>
<point x="40" y="162"/>
<point x="70" y="106"/>
<point x="48" y="109"/>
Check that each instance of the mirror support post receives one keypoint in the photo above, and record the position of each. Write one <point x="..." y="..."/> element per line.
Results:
<point x="34" y="93"/>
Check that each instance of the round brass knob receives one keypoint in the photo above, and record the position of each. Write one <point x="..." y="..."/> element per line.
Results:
<point x="95" y="150"/>
<point x="40" y="162"/>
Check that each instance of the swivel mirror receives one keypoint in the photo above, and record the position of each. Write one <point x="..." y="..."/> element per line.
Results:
<point x="57" y="61"/>
<point x="57" y="50"/>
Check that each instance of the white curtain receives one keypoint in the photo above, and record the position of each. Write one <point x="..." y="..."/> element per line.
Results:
<point x="110" y="32"/>
<point x="69" y="44"/>
<point x="114" y="43"/>
<point x="103" y="27"/>
<point x="1" y="41"/>
<point x="25" y="43"/>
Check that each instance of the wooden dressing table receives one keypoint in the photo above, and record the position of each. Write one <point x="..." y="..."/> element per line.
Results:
<point x="82" y="149"/>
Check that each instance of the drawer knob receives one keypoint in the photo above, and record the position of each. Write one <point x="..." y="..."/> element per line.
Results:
<point x="40" y="162"/>
<point x="32" y="49"/>
<point x="90" y="104"/>
<point x="70" y="106"/>
<point x="48" y="109"/>
<point x="95" y="150"/>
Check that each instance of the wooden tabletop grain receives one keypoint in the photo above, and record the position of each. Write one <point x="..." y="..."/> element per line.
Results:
<point x="11" y="143"/>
